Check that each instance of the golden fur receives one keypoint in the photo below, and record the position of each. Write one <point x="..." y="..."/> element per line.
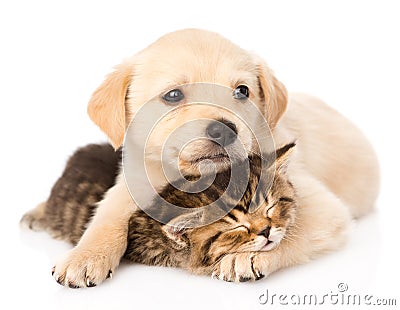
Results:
<point x="334" y="171"/>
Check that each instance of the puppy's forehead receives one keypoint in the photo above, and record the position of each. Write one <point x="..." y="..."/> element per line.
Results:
<point x="191" y="56"/>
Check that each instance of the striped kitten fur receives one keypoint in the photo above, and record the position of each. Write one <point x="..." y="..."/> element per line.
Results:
<point x="88" y="174"/>
<point x="92" y="170"/>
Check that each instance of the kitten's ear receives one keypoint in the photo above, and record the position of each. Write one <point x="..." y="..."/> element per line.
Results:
<point x="177" y="228"/>
<point x="283" y="155"/>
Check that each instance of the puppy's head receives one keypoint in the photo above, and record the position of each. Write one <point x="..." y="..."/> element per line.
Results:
<point x="204" y="86"/>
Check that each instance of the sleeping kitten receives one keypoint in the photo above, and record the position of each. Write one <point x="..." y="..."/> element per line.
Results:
<point x="92" y="170"/>
<point x="200" y="249"/>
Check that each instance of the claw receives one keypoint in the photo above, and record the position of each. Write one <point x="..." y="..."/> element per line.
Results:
<point x="258" y="275"/>
<point x="227" y="279"/>
<point x="90" y="283"/>
<point x="59" y="279"/>
<point x="244" y="278"/>
<point x="110" y="274"/>
<point x="72" y="285"/>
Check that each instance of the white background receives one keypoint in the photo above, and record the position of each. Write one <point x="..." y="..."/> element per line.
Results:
<point x="53" y="56"/>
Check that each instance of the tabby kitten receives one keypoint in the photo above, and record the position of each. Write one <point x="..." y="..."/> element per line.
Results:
<point x="199" y="249"/>
<point x="92" y="170"/>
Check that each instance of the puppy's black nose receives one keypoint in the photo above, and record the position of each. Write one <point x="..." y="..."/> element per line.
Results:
<point x="223" y="132"/>
<point x="265" y="232"/>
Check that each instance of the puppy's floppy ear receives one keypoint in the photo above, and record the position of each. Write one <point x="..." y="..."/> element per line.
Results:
<point x="272" y="92"/>
<point x="107" y="106"/>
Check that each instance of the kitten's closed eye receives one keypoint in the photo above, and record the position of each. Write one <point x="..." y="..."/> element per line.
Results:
<point x="242" y="228"/>
<point x="269" y="212"/>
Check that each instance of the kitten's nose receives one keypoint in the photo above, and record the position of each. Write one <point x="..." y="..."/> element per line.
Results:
<point x="265" y="232"/>
<point x="223" y="132"/>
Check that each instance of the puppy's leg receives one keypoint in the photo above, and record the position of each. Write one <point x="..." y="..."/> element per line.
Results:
<point x="101" y="247"/>
<point x="321" y="225"/>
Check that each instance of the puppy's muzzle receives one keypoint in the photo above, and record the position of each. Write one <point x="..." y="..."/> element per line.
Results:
<point x="222" y="132"/>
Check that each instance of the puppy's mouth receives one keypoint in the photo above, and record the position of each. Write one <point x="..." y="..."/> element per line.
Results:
<point x="205" y="156"/>
<point x="216" y="158"/>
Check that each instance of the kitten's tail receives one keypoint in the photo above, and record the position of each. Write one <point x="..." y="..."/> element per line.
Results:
<point x="35" y="219"/>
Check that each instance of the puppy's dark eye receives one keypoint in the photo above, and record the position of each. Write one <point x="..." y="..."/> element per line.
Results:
<point x="241" y="92"/>
<point x="173" y="96"/>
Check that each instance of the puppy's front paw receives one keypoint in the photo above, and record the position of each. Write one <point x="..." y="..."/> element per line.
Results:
<point x="239" y="267"/>
<point x="84" y="268"/>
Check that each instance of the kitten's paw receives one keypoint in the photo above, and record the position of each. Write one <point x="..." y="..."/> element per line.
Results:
<point x="84" y="268"/>
<point x="34" y="219"/>
<point x="238" y="267"/>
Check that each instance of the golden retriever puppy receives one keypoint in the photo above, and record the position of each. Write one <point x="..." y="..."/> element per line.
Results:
<point x="334" y="171"/>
